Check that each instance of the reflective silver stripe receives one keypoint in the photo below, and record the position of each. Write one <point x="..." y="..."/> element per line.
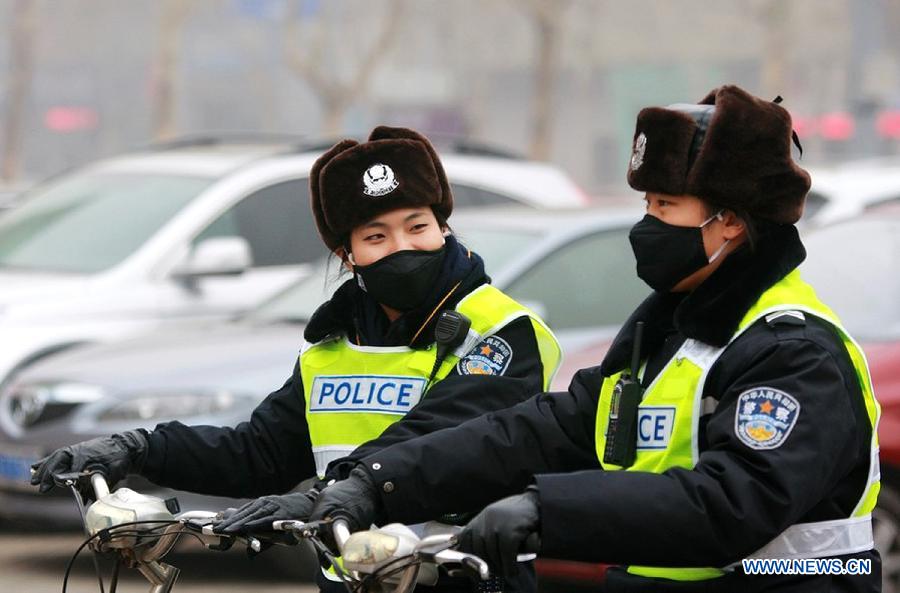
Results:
<point x="791" y="313"/>
<point x="820" y="539"/>
<point x="328" y="453"/>
<point x="875" y="466"/>
<point x="472" y="340"/>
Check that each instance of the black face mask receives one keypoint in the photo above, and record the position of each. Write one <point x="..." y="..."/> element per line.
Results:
<point x="667" y="254"/>
<point x="403" y="279"/>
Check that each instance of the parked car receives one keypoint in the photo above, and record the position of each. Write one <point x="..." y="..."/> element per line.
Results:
<point x="558" y="262"/>
<point x="849" y="189"/>
<point x="190" y="230"/>
<point x="9" y="196"/>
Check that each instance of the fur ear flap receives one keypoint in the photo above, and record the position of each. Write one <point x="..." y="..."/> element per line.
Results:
<point x="315" y="191"/>
<point x="444" y="205"/>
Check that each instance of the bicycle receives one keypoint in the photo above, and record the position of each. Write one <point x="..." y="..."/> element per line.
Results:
<point x="139" y="530"/>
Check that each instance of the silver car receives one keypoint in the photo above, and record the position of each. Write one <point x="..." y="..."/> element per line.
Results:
<point x="575" y="268"/>
<point x="193" y="230"/>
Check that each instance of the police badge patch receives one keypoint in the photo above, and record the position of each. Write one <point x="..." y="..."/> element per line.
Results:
<point x="637" y="155"/>
<point x="765" y="417"/>
<point x="490" y="357"/>
<point x="379" y="180"/>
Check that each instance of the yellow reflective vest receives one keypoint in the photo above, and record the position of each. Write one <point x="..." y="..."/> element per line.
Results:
<point x="667" y="432"/>
<point x="353" y="393"/>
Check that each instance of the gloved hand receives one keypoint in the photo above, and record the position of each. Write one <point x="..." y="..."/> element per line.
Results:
<point x="497" y="533"/>
<point x="257" y="515"/>
<point x="116" y="456"/>
<point x="354" y="500"/>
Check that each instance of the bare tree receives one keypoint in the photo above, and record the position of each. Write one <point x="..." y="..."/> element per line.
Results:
<point x="174" y="17"/>
<point x="547" y="18"/>
<point x="306" y="59"/>
<point x="21" y="51"/>
<point x="775" y="17"/>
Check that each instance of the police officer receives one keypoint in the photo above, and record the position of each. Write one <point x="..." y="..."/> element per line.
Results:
<point x="741" y="424"/>
<point x="370" y="373"/>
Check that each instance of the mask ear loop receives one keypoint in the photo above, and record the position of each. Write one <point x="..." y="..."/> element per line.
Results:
<point x="711" y="218"/>
<point x="718" y="251"/>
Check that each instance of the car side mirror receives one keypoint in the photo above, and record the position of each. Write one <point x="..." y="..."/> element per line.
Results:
<point x="216" y="256"/>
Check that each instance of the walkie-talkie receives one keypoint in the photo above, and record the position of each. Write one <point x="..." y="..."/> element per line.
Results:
<point x="621" y="432"/>
<point x="450" y="331"/>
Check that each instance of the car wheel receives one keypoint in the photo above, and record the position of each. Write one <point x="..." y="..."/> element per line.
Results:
<point x="886" y="518"/>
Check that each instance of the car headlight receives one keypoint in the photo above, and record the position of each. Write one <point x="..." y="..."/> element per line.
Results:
<point x="178" y="405"/>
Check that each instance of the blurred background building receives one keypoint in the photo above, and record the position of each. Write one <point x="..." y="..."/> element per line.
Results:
<point x="558" y="80"/>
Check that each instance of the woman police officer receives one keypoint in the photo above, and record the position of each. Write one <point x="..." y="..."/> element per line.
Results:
<point x="744" y="426"/>
<point x="370" y="373"/>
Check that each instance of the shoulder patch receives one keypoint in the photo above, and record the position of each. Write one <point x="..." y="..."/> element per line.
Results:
<point x="796" y="318"/>
<point x="765" y="417"/>
<point x="490" y="357"/>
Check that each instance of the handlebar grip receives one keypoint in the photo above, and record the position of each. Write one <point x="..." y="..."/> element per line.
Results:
<point x="341" y="532"/>
<point x="98" y="482"/>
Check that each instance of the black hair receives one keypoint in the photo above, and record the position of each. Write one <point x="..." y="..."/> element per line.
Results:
<point x="752" y="225"/>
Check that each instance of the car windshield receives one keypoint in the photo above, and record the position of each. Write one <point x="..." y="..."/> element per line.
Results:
<point x="497" y="246"/>
<point x="855" y="269"/>
<point x="90" y="221"/>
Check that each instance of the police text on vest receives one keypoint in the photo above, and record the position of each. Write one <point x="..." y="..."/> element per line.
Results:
<point x="654" y="426"/>
<point x="365" y="393"/>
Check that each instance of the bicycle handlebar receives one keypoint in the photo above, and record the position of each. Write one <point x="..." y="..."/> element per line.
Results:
<point x="158" y="529"/>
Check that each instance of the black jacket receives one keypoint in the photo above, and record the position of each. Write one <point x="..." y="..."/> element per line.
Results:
<point x="733" y="502"/>
<point x="271" y="453"/>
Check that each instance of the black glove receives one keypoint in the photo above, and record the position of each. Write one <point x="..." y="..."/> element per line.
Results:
<point x="354" y="500"/>
<point x="498" y="533"/>
<point x="116" y="456"/>
<point x="257" y="515"/>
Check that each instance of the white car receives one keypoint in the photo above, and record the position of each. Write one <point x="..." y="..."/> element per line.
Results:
<point x="187" y="231"/>
<point x="9" y="195"/>
<point x="847" y="190"/>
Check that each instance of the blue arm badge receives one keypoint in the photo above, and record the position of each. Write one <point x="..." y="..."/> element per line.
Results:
<point x="765" y="417"/>
<point x="490" y="357"/>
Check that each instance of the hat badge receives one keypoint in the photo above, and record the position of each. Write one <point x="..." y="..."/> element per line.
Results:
<point x="379" y="180"/>
<point x="637" y="157"/>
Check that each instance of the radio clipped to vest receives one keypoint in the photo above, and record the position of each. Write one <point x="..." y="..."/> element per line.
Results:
<point x="621" y="431"/>
<point x="450" y="331"/>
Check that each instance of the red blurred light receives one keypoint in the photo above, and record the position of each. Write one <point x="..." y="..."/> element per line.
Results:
<point x="806" y="127"/>
<point x="837" y="126"/>
<point x="888" y="124"/>
<point x="65" y="120"/>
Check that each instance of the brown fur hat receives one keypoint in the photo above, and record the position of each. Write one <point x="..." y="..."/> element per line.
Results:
<point x="735" y="154"/>
<point x="354" y="182"/>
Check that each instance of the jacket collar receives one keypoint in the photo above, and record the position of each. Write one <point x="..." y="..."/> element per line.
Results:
<point x="712" y="312"/>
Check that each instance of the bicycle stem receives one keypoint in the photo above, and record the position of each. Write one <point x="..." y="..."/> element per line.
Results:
<point x="161" y="576"/>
